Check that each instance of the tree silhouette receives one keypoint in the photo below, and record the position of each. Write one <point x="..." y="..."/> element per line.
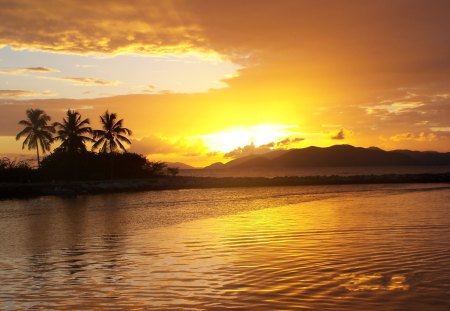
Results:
<point x="72" y="132"/>
<point x="112" y="135"/>
<point x="37" y="132"/>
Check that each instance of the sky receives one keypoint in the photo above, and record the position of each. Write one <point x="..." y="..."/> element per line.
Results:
<point x="200" y="81"/>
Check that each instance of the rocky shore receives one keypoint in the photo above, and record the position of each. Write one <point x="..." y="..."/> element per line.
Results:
<point x="27" y="190"/>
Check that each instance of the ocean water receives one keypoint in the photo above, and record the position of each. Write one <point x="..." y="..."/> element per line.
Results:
<point x="369" y="247"/>
<point x="317" y="171"/>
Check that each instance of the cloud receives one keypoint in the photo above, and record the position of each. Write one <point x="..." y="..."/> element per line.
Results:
<point x="155" y="144"/>
<point x="441" y="129"/>
<point x="361" y="62"/>
<point x="247" y="150"/>
<point x="85" y="81"/>
<point x="339" y="135"/>
<point x="395" y="108"/>
<point x="289" y="141"/>
<point x="251" y="149"/>
<point x="23" y="93"/>
<point x="149" y="89"/>
<point x="421" y="137"/>
<point x="78" y="27"/>
<point x="27" y="70"/>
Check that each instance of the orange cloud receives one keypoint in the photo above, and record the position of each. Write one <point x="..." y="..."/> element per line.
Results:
<point x="84" y="81"/>
<point x="92" y="27"/>
<point x="251" y="149"/>
<point x="22" y="93"/>
<point x="27" y="70"/>
<point x="341" y="134"/>
<point x="355" y="63"/>
<point x="155" y="144"/>
<point x="414" y="137"/>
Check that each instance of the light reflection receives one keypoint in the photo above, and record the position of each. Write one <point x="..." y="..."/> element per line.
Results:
<point x="373" y="282"/>
<point x="265" y="249"/>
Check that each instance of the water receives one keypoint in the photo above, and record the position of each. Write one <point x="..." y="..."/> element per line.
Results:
<point x="317" y="171"/>
<point x="370" y="247"/>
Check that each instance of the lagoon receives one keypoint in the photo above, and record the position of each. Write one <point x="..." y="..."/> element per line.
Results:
<point x="366" y="247"/>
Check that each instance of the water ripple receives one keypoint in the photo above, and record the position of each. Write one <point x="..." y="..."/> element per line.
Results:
<point x="265" y="249"/>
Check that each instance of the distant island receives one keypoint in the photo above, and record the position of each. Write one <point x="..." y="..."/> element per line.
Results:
<point x="335" y="156"/>
<point x="72" y="169"/>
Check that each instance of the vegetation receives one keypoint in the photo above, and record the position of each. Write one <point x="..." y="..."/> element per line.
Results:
<point x="16" y="171"/>
<point x="73" y="132"/>
<point x="37" y="131"/>
<point x="112" y="135"/>
<point x="96" y="166"/>
<point x="72" y="160"/>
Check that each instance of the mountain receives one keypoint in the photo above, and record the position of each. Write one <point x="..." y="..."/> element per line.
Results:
<point x="339" y="155"/>
<point x="181" y="166"/>
<point x="215" y="166"/>
<point x="432" y="157"/>
<point x="254" y="157"/>
<point x="342" y="155"/>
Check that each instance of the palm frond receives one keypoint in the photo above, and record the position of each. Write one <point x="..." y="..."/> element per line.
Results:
<point x="123" y="138"/>
<point x="121" y="146"/>
<point x="24" y="132"/>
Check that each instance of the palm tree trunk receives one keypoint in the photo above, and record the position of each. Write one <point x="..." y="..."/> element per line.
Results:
<point x="111" y="165"/>
<point x="37" y="151"/>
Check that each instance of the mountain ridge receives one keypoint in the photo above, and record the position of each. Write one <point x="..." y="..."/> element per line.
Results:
<point x="337" y="155"/>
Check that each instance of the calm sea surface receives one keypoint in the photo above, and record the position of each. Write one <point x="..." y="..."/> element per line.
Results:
<point x="317" y="171"/>
<point x="371" y="247"/>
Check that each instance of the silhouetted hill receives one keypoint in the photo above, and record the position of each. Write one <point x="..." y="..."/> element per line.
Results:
<point x="427" y="157"/>
<point x="231" y="164"/>
<point x="181" y="166"/>
<point x="339" y="155"/>
<point x="256" y="162"/>
<point x="215" y="166"/>
<point x="254" y="157"/>
<point x="342" y="155"/>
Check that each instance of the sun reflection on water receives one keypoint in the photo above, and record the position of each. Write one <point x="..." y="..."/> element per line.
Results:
<point x="272" y="250"/>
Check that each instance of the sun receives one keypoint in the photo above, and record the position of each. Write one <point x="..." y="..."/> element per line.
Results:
<point x="233" y="138"/>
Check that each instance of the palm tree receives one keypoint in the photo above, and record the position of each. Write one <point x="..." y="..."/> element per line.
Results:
<point x="112" y="135"/>
<point x="72" y="132"/>
<point x="37" y="132"/>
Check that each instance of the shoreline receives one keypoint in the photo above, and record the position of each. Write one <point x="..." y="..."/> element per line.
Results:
<point x="73" y="188"/>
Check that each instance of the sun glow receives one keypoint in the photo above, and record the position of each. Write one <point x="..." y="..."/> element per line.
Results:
<point x="236" y="137"/>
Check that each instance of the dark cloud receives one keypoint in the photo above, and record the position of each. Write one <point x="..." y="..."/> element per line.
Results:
<point x="28" y="70"/>
<point x="339" y="135"/>
<point x="283" y="143"/>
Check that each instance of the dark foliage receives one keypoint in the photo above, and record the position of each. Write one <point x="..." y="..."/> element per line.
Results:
<point x="112" y="136"/>
<point x="95" y="166"/>
<point x="37" y="132"/>
<point x="73" y="132"/>
<point x="156" y="168"/>
<point x="16" y="171"/>
<point x="172" y="171"/>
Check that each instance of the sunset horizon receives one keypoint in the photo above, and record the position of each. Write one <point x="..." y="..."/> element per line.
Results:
<point x="196" y="81"/>
<point x="218" y="154"/>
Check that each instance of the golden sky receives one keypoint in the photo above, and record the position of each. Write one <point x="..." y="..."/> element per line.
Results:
<point x="200" y="81"/>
